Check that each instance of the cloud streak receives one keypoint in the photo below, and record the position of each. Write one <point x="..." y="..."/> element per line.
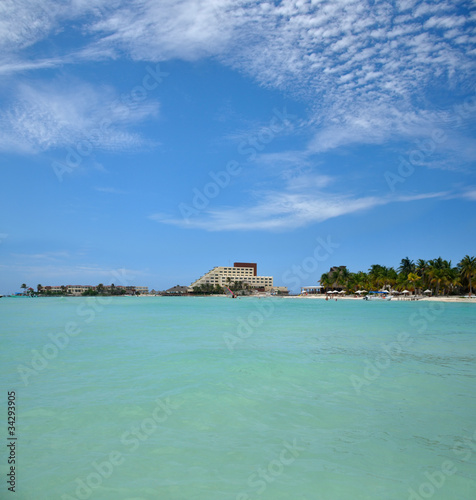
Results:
<point x="285" y="211"/>
<point x="54" y="115"/>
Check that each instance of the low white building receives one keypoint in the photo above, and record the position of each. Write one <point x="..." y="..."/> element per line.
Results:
<point x="78" y="289"/>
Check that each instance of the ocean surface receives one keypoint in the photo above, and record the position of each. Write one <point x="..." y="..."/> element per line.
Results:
<point x="247" y="399"/>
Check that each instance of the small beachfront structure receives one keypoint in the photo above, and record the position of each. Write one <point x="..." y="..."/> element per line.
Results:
<point x="312" y="290"/>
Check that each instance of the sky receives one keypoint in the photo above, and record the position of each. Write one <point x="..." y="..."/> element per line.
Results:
<point x="145" y="142"/>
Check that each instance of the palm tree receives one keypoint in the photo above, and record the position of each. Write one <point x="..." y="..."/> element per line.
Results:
<point x="439" y="263"/>
<point x="379" y="276"/>
<point x="437" y="278"/>
<point x="39" y="288"/>
<point x="325" y="281"/>
<point x="343" y="277"/>
<point x="361" y="281"/>
<point x="413" y="279"/>
<point x="467" y="269"/>
<point x="406" y="266"/>
<point x="454" y="279"/>
<point x="391" y="277"/>
<point x="421" y="269"/>
<point x="401" y="282"/>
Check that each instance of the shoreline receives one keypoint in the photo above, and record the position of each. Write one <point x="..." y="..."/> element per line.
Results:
<point x="462" y="300"/>
<point x="447" y="299"/>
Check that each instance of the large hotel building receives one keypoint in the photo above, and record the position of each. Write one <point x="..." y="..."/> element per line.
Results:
<point x="241" y="271"/>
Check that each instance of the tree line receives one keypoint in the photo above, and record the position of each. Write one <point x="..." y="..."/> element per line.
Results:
<point x="240" y="287"/>
<point x="97" y="290"/>
<point x="437" y="275"/>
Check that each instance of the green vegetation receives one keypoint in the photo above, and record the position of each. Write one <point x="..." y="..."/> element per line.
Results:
<point x="437" y="275"/>
<point x="208" y="289"/>
<point x="105" y="291"/>
<point x="237" y="287"/>
<point x="101" y="290"/>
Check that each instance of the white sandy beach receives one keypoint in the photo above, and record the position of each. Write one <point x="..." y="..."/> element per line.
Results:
<point x="471" y="300"/>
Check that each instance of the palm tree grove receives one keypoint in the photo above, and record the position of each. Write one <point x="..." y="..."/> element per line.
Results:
<point x="437" y="275"/>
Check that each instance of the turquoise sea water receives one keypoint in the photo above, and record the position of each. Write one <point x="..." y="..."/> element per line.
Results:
<point x="216" y="399"/>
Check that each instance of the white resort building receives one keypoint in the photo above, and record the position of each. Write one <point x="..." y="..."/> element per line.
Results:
<point x="241" y="271"/>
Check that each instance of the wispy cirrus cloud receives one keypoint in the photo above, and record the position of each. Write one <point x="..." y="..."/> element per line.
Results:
<point x="51" y="115"/>
<point x="278" y="211"/>
<point x="183" y="29"/>
<point x="470" y="194"/>
<point x="364" y="65"/>
<point x="333" y="48"/>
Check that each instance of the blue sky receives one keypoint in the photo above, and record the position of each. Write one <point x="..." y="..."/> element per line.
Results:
<point x="149" y="141"/>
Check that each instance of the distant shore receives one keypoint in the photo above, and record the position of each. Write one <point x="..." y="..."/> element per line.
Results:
<point x="455" y="299"/>
<point x="452" y="299"/>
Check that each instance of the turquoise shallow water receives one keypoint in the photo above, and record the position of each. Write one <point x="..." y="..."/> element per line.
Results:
<point x="215" y="399"/>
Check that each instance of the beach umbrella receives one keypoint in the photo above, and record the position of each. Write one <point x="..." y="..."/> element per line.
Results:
<point x="427" y="291"/>
<point x="359" y="291"/>
<point x="405" y="291"/>
<point x="342" y="291"/>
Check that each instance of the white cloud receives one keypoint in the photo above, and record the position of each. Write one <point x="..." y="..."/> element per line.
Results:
<point x="362" y="62"/>
<point x="363" y="65"/>
<point x="305" y="47"/>
<point x="55" y="114"/>
<point x="185" y="29"/>
<point x="285" y="211"/>
<point x="12" y="66"/>
<point x="470" y="194"/>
